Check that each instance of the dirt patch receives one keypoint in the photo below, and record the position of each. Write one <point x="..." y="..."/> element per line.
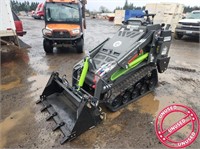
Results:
<point x="182" y="69"/>
<point x="147" y="104"/>
<point x="113" y="115"/>
<point x="10" y="79"/>
<point x="7" y="53"/>
<point x="38" y="82"/>
<point x="119" y="132"/>
<point x="11" y="127"/>
<point x="186" y="79"/>
<point x="163" y="83"/>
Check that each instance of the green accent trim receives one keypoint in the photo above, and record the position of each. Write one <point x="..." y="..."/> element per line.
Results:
<point x="133" y="64"/>
<point x="83" y="73"/>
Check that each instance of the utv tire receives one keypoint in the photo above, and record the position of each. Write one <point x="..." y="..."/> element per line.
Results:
<point x="80" y="45"/>
<point x="178" y="36"/>
<point x="48" y="47"/>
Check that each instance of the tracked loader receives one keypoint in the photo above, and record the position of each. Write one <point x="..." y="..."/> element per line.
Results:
<point x="117" y="72"/>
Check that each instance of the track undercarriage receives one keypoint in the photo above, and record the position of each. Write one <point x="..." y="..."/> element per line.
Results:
<point x="132" y="88"/>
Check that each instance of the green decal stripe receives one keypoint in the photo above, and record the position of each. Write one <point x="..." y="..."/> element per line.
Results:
<point x="83" y="73"/>
<point x="133" y="64"/>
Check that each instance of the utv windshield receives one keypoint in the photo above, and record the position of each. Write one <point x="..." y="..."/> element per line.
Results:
<point x="194" y="15"/>
<point x="65" y="12"/>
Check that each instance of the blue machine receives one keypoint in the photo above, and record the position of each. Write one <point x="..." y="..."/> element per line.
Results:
<point x="133" y="14"/>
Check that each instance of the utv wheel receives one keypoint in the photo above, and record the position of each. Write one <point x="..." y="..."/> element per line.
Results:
<point x="79" y="46"/>
<point x="178" y="36"/>
<point x="48" y="47"/>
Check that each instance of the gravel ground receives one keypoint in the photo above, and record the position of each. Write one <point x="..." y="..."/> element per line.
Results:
<point x="24" y="78"/>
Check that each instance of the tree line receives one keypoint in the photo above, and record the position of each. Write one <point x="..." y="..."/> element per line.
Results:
<point x="127" y="6"/>
<point x="130" y="6"/>
<point x="23" y="6"/>
<point x="189" y="9"/>
<point x="29" y="6"/>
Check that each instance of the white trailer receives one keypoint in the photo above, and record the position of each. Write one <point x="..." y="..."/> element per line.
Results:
<point x="9" y="41"/>
<point x="168" y="13"/>
<point x="7" y="25"/>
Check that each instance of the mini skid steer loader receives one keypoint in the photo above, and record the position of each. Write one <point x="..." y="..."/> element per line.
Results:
<point x="115" y="73"/>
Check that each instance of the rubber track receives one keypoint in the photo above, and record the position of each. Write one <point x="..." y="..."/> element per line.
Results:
<point x="122" y="86"/>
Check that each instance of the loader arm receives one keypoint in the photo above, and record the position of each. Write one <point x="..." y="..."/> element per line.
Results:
<point x="83" y="73"/>
<point x="133" y="64"/>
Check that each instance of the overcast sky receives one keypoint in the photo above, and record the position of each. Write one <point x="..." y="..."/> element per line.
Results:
<point x="112" y="4"/>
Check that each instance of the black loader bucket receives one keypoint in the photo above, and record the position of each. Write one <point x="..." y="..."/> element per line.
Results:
<point x="69" y="108"/>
